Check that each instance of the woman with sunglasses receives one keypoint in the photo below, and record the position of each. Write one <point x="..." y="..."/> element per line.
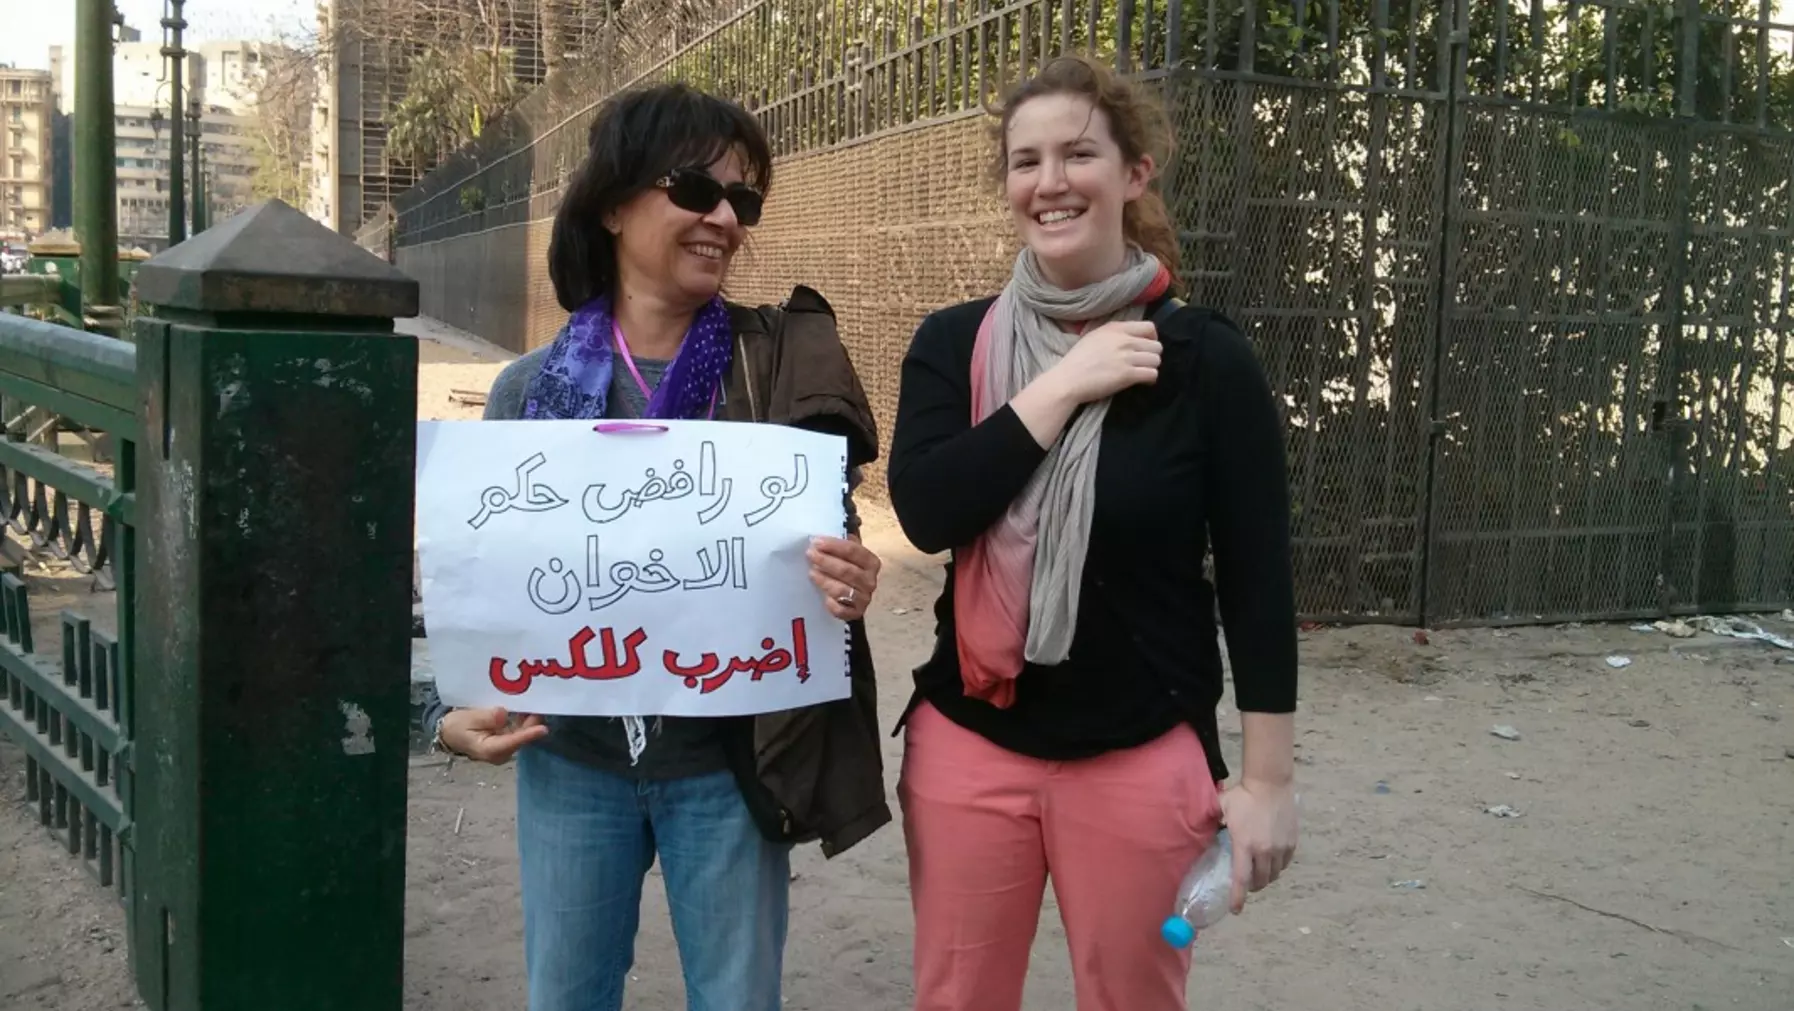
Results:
<point x="641" y="245"/>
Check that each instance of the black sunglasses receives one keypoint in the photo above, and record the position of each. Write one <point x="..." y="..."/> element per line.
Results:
<point x="699" y="192"/>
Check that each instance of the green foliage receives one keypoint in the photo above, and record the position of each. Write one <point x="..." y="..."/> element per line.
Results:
<point x="1561" y="54"/>
<point x="279" y="173"/>
<point x="451" y="96"/>
<point x="280" y="125"/>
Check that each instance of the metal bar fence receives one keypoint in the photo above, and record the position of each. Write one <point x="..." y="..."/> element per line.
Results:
<point x="1518" y="267"/>
<point x="69" y="708"/>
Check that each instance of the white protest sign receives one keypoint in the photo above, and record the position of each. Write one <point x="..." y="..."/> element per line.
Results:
<point x="629" y="570"/>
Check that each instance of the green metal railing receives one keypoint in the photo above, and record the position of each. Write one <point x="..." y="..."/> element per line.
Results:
<point x="257" y="819"/>
<point x="42" y="294"/>
<point x="70" y="709"/>
<point x="51" y="287"/>
<point x="28" y="289"/>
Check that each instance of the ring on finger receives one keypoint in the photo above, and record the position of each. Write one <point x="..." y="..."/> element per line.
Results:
<point x="846" y="599"/>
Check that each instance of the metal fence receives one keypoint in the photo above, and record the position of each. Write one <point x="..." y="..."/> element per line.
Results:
<point x="1520" y="268"/>
<point x="202" y="852"/>
<point x="374" y="46"/>
<point x="69" y="707"/>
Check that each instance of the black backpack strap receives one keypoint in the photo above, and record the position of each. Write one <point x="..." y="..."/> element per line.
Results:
<point x="1168" y="308"/>
<point x="1160" y="317"/>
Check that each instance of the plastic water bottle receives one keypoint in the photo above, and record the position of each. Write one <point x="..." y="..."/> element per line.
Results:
<point x="1202" y="898"/>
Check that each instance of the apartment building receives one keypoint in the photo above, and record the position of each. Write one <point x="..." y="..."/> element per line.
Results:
<point x="222" y="77"/>
<point x="227" y="163"/>
<point x="27" y="107"/>
<point x="142" y="166"/>
<point x="231" y="75"/>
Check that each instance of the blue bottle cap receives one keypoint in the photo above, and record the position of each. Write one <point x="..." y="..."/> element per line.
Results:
<point x="1177" y="932"/>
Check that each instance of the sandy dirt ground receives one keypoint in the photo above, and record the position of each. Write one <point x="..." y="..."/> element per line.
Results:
<point x="1651" y="864"/>
<point x="451" y="364"/>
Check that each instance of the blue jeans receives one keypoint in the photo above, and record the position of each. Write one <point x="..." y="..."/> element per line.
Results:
<point x="586" y="839"/>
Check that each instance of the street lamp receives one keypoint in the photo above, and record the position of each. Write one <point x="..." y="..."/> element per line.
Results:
<point x="170" y="162"/>
<point x="172" y="25"/>
<point x="200" y="209"/>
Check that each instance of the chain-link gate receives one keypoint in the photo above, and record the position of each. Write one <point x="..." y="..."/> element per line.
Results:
<point x="1611" y="430"/>
<point x="1311" y="216"/>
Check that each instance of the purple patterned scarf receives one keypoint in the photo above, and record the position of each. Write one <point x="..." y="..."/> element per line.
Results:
<point x="574" y="381"/>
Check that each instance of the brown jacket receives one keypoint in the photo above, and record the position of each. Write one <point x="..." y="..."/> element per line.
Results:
<point x="817" y="772"/>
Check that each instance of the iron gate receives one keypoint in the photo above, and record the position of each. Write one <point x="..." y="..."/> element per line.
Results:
<point x="1524" y="288"/>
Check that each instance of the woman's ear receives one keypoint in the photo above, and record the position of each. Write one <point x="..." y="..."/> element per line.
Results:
<point x="1139" y="176"/>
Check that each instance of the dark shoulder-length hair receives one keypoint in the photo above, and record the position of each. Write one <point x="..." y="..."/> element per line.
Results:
<point x="638" y="137"/>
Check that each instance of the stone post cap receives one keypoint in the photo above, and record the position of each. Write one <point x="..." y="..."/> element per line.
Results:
<point x="271" y="258"/>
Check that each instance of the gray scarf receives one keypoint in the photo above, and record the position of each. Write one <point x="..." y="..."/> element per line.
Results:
<point x="1057" y="502"/>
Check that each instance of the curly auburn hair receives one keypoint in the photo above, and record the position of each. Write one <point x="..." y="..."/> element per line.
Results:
<point x="1138" y="124"/>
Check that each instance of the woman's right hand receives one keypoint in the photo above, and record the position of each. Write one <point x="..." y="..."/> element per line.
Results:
<point x="1102" y="363"/>
<point x="1110" y="359"/>
<point x="488" y="735"/>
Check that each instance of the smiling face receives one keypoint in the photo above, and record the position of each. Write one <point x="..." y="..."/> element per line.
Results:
<point x="1067" y="182"/>
<point x="675" y="255"/>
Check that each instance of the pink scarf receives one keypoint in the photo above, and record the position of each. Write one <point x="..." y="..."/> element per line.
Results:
<point x="994" y="575"/>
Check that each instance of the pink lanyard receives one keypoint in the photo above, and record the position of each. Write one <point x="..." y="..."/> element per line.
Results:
<point x="636" y="374"/>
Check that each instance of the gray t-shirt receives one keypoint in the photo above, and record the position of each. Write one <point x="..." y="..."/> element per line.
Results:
<point x="670" y="746"/>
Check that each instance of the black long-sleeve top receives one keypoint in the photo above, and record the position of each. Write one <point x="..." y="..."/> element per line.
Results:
<point x="1191" y="462"/>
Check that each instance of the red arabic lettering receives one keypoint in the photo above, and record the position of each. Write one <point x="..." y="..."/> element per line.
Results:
<point x="695" y="675"/>
<point x="710" y="673"/>
<point x="510" y="686"/>
<point x="800" y="649"/>
<point x="578" y="666"/>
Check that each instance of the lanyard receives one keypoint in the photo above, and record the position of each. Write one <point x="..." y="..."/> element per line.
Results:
<point x="636" y="373"/>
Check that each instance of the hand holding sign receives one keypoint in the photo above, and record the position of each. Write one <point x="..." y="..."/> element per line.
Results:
<point x="846" y="573"/>
<point x="490" y="735"/>
<point x="675" y="573"/>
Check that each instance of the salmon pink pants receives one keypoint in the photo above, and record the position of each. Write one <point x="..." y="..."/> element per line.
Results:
<point x="986" y="827"/>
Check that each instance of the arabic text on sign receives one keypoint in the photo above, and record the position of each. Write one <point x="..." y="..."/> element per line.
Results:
<point x="710" y="673"/>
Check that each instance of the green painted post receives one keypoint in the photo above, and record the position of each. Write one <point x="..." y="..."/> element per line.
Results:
<point x="55" y="256"/>
<point x="96" y="177"/>
<point x="273" y="640"/>
<point x="58" y="257"/>
<point x="128" y="262"/>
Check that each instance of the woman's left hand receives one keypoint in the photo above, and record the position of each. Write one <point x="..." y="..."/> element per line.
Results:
<point x="1261" y="818"/>
<point x="847" y="574"/>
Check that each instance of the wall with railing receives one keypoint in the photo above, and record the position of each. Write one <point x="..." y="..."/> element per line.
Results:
<point x="1517" y="268"/>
